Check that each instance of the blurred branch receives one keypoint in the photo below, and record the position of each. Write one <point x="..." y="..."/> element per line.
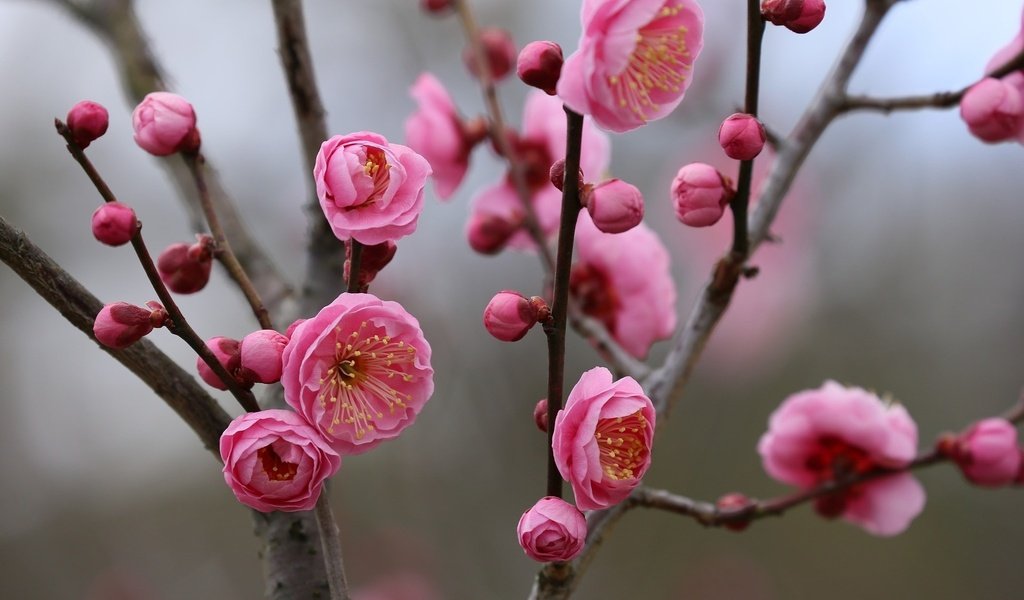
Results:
<point x="168" y="380"/>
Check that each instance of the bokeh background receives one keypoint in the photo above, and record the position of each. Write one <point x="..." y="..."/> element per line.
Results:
<point x="900" y="271"/>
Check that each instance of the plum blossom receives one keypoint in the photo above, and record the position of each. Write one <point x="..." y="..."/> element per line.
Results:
<point x="165" y="123"/>
<point x="552" y="530"/>
<point x="987" y="452"/>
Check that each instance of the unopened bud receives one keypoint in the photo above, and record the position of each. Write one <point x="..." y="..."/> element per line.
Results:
<point x="742" y="136"/>
<point x="228" y="353"/>
<point x="557" y="174"/>
<point x="165" y="123"/>
<point x="614" y="205"/>
<point x="540" y="414"/>
<point x="540" y="64"/>
<point x="437" y="7"/>
<point x="700" y="194"/>
<point x="87" y="121"/>
<point x="509" y="315"/>
<point x="261" y="353"/>
<point x="735" y="502"/>
<point x="120" y="324"/>
<point x="114" y="224"/>
<point x="987" y="453"/>
<point x="799" y="16"/>
<point x="993" y="110"/>
<point x="184" y="268"/>
<point x="489" y="233"/>
<point x="499" y="53"/>
<point x="371" y="261"/>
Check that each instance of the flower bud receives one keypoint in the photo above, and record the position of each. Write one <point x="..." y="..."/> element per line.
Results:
<point x="436" y="7"/>
<point x="732" y="502"/>
<point x="509" y="315"/>
<point x="993" y="110"/>
<point x="185" y="269"/>
<point x="614" y="205"/>
<point x="261" y="352"/>
<point x="120" y="324"/>
<point x="87" y="121"/>
<point x="373" y="258"/>
<point x="700" y="194"/>
<point x="291" y="328"/>
<point x="742" y="136"/>
<point x="228" y="353"/>
<point x="557" y="174"/>
<point x="540" y="64"/>
<point x="165" y="123"/>
<point x="552" y="530"/>
<point x="499" y="53"/>
<point x="987" y="452"/>
<point x="812" y="13"/>
<point x="799" y="16"/>
<point x="488" y="233"/>
<point x="540" y="414"/>
<point x="114" y="224"/>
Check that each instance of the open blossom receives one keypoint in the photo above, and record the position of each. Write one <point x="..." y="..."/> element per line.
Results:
<point x="370" y="190"/>
<point x="634" y="62"/>
<point x="359" y="371"/>
<point x="834" y="432"/>
<point x="165" y="123"/>
<point x="624" y="281"/>
<point x="602" y="439"/>
<point x="273" y="460"/>
<point x="552" y="530"/>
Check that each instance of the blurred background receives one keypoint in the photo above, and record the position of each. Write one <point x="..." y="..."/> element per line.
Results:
<point x="900" y="271"/>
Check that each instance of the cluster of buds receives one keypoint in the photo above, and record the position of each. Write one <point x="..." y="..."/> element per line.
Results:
<point x="255" y="359"/>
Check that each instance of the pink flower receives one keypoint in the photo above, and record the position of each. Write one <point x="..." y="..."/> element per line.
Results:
<point x="742" y="136"/>
<point x="165" y="123"/>
<point x="260" y="354"/>
<point x="120" y="324"/>
<point x="539" y="65"/>
<point x="510" y="315"/>
<point x="437" y="132"/>
<point x="700" y="194"/>
<point x="184" y="268"/>
<point x="227" y="351"/>
<point x="273" y="460"/>
<point x="359" y="371"/>
<point x="370" y="190"/>
<point x="634" y="62"/>
<point x="993" y="110"/>
<point x="987" y="453"/>
<point x="614" y="205"/>
<point x="489" y="233"/>
<point x="552" y="530"/>
<point x="114" y="224"/>
<point x="87" y="121"/>
<point x="835" y="432"/>
<point x="603" y="436"/>
<point x="624" y="281"/>
<point x="499" y="53"/>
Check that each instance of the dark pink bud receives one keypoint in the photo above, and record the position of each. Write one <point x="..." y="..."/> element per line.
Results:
<point x="987" y="453"/>
<point x="165" y="123"/>
<point x="540" y="414"/>
<point x="185" y="269"/>
<point x="114" y="223"/>
<point x="489" y="233"/>
<point x="499" y="52"/>
<point x="700" y="194"/>
<point x="509" y="315"/>
<point x="557" y="174"/>
<point x="540" y="64"/>
<point x="436" y="7"/>
<point x="780" y="12"/>
<point x="261" y="353"/>
<point x="734" y="502"/>
<point x="120" y="324"/>
<point x="228" y="352"/>
<point x="742" y="136"/>
<point x="373" y="258"/>
<point x="993" y="110"/>
<point x="614" y="205"/>
<point x="87" y="121"/>
<point x="812" y="13"/>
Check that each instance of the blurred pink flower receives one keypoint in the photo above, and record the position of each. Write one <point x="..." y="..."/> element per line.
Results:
<point x="260" y="353"/>
<point x="634" y="62"/>
<point x="993" y="110"/>
<point x="398" y="586"/>
<point x="624" y="281"/>
<point x="370" y="190"/>
<point x="437" y="132"/>
<point x="359" y="371"/>
<point x="499" y="53"/>
<point x="273" y="460"/>
<point x="602" y="439"/>
<point x="987" y="453"/>
<point x="165" y="123"/>
<point x="552" y="530"/>
<point x="833" y="432"/>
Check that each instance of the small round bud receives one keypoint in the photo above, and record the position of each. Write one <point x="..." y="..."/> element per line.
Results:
<point x="557" y="174"/>
<point x="185" y="269"/>
<point x="812" y="13"/>
<point x="499" y="53"/>
<point x="734" y="502"/>
<point x="742" y="136"/>
<point x="987" y="453"/>
<point x="165" y="123"/>
<point x="540" y="414"/>
<point x="993" y="110"/>
<point x="700" y="194"/>
<point x="437" y="7"/>
<point x="114" y="224"/>
<point x="87" y="121"/>
<point x="614" y="205"/>
<point x="373" y="259"/>
<point x="509" y="315"/>
<point x="539" y="65"/>
<point x="261" y="353"/>
<point x="780" y="12"/>
<point x="488" y="233"/>
<point x="120" y="324"/>
<point x="552" y="530"/>
<point x="228" y="353"/>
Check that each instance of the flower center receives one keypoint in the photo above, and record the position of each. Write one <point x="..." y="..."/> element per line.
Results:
<point x="275" y="468"/>
<point x="621" y="441"/>
<point x="660" y="63"/>
<point x="356" y="390"/>
<point x="377" y="169"/>
<point x="593" y="289"/>
<point x="836" y="459"/>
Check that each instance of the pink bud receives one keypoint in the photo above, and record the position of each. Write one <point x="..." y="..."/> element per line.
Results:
<point x="540" y="64"/>
<point x="120" y="324"/>
<point x="733" y="502"/>
<point x="372" y="260"/>
<point x="780" y="12"/>
<point x="540" y="414"/>
<point x="185" y="269"/>
<point x="700" y="194"/>
<point x="742" y="136"/>
<point x="614" y="205"/>
<point x="987" y="453"/>
<point x="557" y="174"/>
<point x="509" y="315"/>
<point x="87" y="121"/>
<point x="993" y="110"/>
<point x="436" y="7"/>
<point x="552" y="530"/>
<point x="114" y="223"/>
<point x="261" y="353"/>
<point x="165" y="123"/>
<point x="499" y="51"/>
<point x="291" y="328"/>
<point x="812" y="13"/>
<point x="228" y="353"/>
<point x="488" y="233"/>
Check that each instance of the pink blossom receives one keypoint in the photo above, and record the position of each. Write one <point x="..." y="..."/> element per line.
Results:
<point x="993" y="110"/>
<point x="987" y="453"/>
<point x="165" y="123"/>
<point x="700" y="194"/>
<point x="273" y="460"/>
<point x="227" y="351"/>
<point x="835" y="432"/>
<point x="489" y="233"/>
<point x="87" y="121"/>
<point x="359" y="371"/>
<point x="437" y="132"/>
<point x="370" y="190"/>
<point x="114" y="224"/>
<point x="539" y="65"/>
<point x="499" y="53"/>
<point x="510" y="315"/>
<point x="260" y="354"/>
<point x="634" y="62"/>
<point x="552" y="530"/>
<point x="184" y="268"/>
<point x="624" y="281"/>
<point x="742" y="136"/>
<point x="614" y="205"/>
<point x="120" y="324"/>
<point x="602" y="439"/>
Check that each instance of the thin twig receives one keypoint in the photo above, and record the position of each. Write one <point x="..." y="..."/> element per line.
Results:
<point x="741" y="200"/>
<point x="330" y="542"/>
